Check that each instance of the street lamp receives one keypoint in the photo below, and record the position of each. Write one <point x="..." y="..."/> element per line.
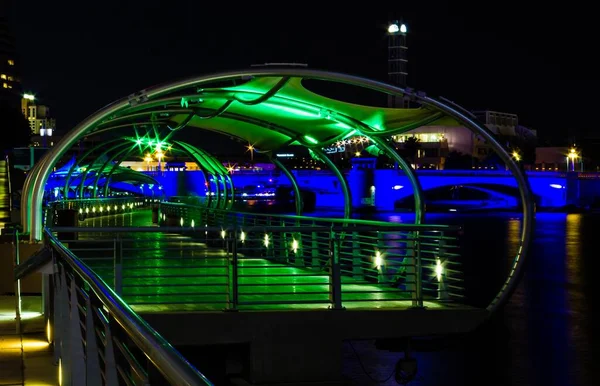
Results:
<point x="516" y="156"/>
<point x="250" y="148"/>
<point x="573" y="156"/>
<point x="395" y="28"/>
<point x="148" y="159"/>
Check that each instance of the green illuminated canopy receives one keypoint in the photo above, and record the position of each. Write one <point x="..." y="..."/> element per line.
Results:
<point x="274" y="111"/>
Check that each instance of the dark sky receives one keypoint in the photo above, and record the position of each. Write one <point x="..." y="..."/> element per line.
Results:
<point x="501" y="55"/>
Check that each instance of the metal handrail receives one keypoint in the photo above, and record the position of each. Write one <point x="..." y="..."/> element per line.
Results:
<point x="176" y="369"/>
<point x="254" y="228"/>
<point x="323" y="219"/>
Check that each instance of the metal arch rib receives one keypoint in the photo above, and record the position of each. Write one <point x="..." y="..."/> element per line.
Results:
<point x="526" y="197"/>
<point x="266" y="96"/>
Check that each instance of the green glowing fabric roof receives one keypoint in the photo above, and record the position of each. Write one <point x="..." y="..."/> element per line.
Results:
<point x="295" y="115"/>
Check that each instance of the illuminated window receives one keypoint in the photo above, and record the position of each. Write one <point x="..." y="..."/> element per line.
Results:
<point x="10" y="78"/>
<point x="9" y="86"/>
<point x="11" y="62"/>
<point x="4" y="85"/>
<point x="3" y="76"/>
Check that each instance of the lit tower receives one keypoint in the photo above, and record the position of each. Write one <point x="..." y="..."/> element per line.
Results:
<point x="397" y="61"/>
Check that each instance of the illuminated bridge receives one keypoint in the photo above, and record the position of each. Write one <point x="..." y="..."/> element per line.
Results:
<point x="127" y="271"/>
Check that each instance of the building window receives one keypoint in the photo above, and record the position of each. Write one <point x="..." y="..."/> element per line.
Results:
<point x="4" y="85"/>
<point x="11" y="62"/>
<point x="3" y="76"/>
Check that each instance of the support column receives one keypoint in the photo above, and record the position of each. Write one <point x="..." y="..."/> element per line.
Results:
<point x="341" y="178"/>
<point x="297" y="194"/>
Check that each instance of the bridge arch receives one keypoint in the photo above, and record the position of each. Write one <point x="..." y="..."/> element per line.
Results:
<point x="271" y="109"/>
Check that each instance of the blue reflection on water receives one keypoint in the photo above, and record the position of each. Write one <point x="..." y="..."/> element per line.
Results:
<point x="544" y="336"/>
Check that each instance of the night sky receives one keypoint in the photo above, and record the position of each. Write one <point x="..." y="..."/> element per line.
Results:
<point x="535" y="62"/>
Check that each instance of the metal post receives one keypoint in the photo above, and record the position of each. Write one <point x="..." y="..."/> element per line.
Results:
<point x="418" y="268"/>
<point x="411" y="277"/>
<point x="335" y="286"/>
<point x="92" y="363"/>
<point x="76" y="358"/>
<point x="442" y="285"/>
<point x="315" y="249"/>
<point x="118" y="264"/>
<point x="17" y="261"/>
<point x="357" y="270"/>
<point x="234" y="273"/>
<point x="110" y="364"/>
<point x="64" y="326"/>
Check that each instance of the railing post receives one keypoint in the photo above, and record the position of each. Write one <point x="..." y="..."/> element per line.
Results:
<point x="118" y="261"/>
<point x="110" y="363"/>
<point x="357" y="269"/>
<point x="335" y="286"/>
<point x="17" y="285"/>
<point x="411" y="277"/>
<point x="93" y="373"/>
<point x="234" y="288"/>
<point x="419" y="269"/>
<point x="57" y="322"/>
<point x="76" y="357"/>
<point x="440" y="271"/>
<point x="382" y="277"/>
<point x="315" y="249"/>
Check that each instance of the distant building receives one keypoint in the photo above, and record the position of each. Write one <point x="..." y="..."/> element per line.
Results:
<point x="10" y="84"/>
<point x="42" y="126"/>
<point x="436" y="142"/>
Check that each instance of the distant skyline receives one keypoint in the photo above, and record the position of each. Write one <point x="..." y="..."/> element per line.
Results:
<point x="80" y="56"/>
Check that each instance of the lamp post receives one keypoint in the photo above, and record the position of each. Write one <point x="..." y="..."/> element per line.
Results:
<point x="573" y="156"/>
<point x="397" y="60"/>
<point x="148" y="159"/>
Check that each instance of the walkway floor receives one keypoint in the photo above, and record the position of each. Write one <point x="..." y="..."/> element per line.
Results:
<point x="172" y="272"/>
<point x="25" y="358"/>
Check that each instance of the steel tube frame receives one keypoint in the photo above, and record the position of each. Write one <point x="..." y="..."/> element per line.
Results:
<point x="298" y="201"/>
<point x="412" y="177"/>
<point x="82" y="159"/>
<point x="104" y="166"/>
<point x="33" y="194"/>
<point x="341" y="178"/>
<point x="83" y="175"/>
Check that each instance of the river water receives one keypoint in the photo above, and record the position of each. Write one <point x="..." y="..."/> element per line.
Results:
<point x="544" y="336"/>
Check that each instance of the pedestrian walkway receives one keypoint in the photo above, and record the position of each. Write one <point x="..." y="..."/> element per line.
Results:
<point x="25" y="358"/>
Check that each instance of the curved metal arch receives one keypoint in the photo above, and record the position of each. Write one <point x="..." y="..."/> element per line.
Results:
<point x="114" y="168"/>
<point x="341" y="178"/>
<point x="35" y="187"/>
<point x="85" y="173"/>
<point x="101" y="170"/>
<point x="517" y="267"/>
<point x="298" y="201"/>
<point x="208" y="168"/>
<point x="81" y="159"/>
<point x="217" y="170"/>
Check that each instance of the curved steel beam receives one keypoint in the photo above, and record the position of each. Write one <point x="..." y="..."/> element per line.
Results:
<point x="216" y="169"/>
<point x="266" y="96"/>
<point x="115" y="167"/>
<point x="101" y="170"/>
<point x="412" y="177"/>
<point x="77" y="163"/>
<point x="91" y="167"/>
<point x="341" y="178"/>
<point x="518" y="263"/>
<point x="298" y="201"/>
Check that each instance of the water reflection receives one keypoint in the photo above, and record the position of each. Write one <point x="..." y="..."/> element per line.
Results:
<point x="544" y="335"/>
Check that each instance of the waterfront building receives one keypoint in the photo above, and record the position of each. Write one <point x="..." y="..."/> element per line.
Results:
<point x="433" y="144"/>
